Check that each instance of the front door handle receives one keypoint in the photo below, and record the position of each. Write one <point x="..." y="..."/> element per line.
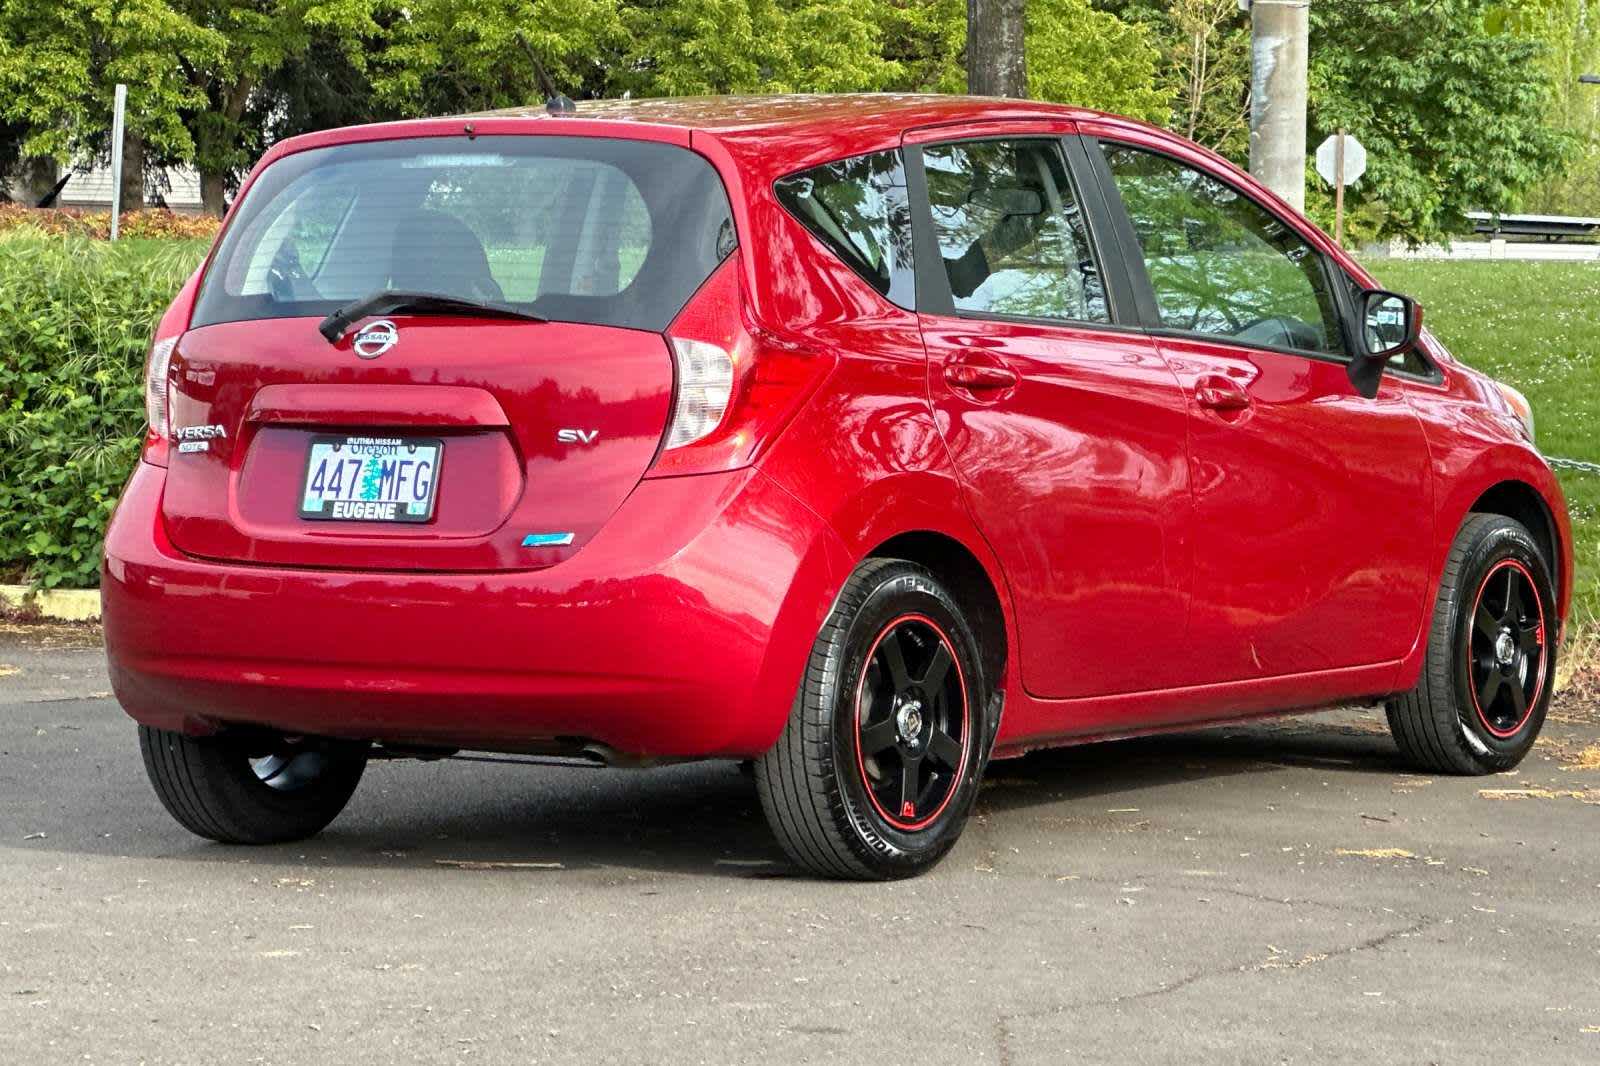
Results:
<point x="976" y="377"/>
<point x="1220" y="394"/>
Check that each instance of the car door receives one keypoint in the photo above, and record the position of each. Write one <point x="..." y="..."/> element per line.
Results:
<point x="1064" y="423"/>
<point x="1312" y="517"/>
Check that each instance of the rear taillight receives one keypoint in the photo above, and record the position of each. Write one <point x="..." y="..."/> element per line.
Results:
<point x="733" y="389"/>
<point x="159" y="431"/>
<point x="704" y="380"/>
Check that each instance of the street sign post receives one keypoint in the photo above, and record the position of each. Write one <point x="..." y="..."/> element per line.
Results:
<point x="1341" y="160"/>
<point x="119" y="109"/>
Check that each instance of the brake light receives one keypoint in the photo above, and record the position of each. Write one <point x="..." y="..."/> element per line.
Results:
<point x="735" y="387"/>
<point x="704" y="387"/>
<point x="159" y="430"/>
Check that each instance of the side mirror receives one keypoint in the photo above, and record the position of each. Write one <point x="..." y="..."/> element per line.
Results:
<point x="1388" y="325"/>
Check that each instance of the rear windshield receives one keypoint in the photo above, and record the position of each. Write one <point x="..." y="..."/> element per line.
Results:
<point x="577" y="229"/>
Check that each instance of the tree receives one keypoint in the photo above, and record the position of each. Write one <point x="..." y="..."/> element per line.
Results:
<point x="691" y="47"/>
<point x="60" y="62"/>
<point x="1570" y="32"/>
<point x="1076" y="54"/>
<point x="996" y="48"/>
<point x="261" y="36"/>
<point x="11" y="135"/>
<point x="1204" y="68"/>
<point x="442" y="56"/>
<point x="1453" y="113"/>
<point x="1210" y="51"/>
<point x="324" y="87"/>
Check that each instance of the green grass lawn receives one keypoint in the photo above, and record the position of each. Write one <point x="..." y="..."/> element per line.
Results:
<point x="1535" y="326"/>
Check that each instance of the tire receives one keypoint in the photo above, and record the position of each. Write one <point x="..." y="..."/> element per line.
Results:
<point x="836" y="789"/>
<point x="1482" y="697"/>
<point x="250" y="792"/>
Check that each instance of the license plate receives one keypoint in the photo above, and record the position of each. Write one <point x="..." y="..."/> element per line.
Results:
<point x="371" y="479"/>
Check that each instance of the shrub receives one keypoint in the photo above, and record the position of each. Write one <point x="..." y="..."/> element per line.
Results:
<point x="75" y="321"/>
<point x="156" y="222"/>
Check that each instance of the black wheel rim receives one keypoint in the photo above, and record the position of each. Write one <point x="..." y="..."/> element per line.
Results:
<point x="912" y="723"/>
<point x="1506" y="660"/>
<point x="288" y="771"/>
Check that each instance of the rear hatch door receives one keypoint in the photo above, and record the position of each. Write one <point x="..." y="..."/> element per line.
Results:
<point x="445" y="440"/>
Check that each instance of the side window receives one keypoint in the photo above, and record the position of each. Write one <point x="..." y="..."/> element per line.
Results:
<point x="1010" y="231"/>
<point x="860" y="209"/>
<point x="1219" y="262"/>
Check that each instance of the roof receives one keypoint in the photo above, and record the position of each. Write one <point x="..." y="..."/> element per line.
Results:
<point x="772" y="135"/>
<point x="798" y="111"/>
<point x="767" y="135"/>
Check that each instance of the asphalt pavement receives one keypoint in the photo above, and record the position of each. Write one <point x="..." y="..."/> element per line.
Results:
<point x="1279" y="892"/>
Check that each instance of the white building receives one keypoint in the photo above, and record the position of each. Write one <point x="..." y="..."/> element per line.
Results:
<point x="91" y="190"/>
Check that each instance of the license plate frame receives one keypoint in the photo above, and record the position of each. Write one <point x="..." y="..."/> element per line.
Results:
<point x="371" y="511"/>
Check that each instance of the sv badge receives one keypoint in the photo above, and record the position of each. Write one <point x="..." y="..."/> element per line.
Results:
<point x="577" y="436"/>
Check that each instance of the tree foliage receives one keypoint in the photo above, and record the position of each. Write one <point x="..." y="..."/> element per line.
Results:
<point x="1091" y="58"/>
<point x="442" y="56"/>
<point x="1203" y="69"/>
<point x="1570" y="32"/>
<point x="259" y="39"/>
<point x="1077" y="54"/>
<point x="61" y="60"/>
<point x="1464" y="104"/>
<point x="1451" y="108"/>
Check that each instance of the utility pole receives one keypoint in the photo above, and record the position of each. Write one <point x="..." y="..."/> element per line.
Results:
<point x="1278" y="50"/>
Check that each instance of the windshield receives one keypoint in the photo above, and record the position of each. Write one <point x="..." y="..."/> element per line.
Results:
<point x="576" y="229"/>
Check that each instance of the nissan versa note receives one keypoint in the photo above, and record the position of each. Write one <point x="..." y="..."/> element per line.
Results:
<point x="867" y="438"/>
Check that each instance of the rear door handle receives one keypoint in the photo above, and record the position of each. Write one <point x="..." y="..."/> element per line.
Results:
<point x="979" y="376"/>
<point x="1220" y="394"/>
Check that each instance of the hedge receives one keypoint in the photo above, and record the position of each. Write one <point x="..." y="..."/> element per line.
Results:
<point x="75" y="321"/>
<point x="154" y="223"/>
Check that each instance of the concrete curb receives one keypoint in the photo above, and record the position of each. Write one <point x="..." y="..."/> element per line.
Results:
<point x="61" y="605"/>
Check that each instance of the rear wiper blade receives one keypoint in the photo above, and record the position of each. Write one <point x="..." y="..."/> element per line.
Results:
<point x="388" y="301"/>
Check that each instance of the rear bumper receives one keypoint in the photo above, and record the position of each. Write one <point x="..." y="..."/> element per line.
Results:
<point x="681" y="629"/>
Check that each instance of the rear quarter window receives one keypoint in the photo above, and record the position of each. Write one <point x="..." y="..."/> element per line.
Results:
<point x="601" y="231"/>
<point x="860" y="209"/>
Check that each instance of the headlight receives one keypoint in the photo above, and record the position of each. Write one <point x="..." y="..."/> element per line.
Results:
<point x="1518" y="407"/>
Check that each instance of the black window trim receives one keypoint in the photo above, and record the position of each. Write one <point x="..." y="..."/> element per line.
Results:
<point x="1149" y="310"/>
<point x="853" y="261"/>
<point x="933" y="284"/>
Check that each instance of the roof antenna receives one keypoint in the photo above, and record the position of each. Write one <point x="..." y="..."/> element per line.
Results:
<point x="560" y="104"/>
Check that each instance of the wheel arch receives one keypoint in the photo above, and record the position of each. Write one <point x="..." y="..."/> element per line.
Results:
<point x="1510" y="480"/>
<point x="953" y="563"/>
<point x="1523" y="503"/>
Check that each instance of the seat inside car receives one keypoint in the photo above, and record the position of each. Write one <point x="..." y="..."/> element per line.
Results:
<point x="453" y="263"/>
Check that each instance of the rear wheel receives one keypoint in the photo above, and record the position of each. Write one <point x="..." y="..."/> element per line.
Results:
<point x="1488" y="676"/>
<point x="239" y="790"/>
<point x="878" y="766"/>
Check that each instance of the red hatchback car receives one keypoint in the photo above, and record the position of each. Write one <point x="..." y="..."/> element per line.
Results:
<point x="867" y="438"/>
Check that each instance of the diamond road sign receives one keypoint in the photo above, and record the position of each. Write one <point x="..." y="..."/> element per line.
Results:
<point x="1355" y="160"/>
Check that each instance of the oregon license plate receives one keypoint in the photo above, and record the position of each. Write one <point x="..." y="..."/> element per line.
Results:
<point x="371" y="479"/>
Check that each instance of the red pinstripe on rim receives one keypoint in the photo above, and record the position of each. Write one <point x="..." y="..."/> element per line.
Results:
<point x="900" y="823"/>
<point x="1542" y="637"/>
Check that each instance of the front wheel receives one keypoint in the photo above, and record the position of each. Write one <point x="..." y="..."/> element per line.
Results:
<point x="1491" y="657"/>
<point x="248" y="790"/>
<point x="878" y="766"/>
